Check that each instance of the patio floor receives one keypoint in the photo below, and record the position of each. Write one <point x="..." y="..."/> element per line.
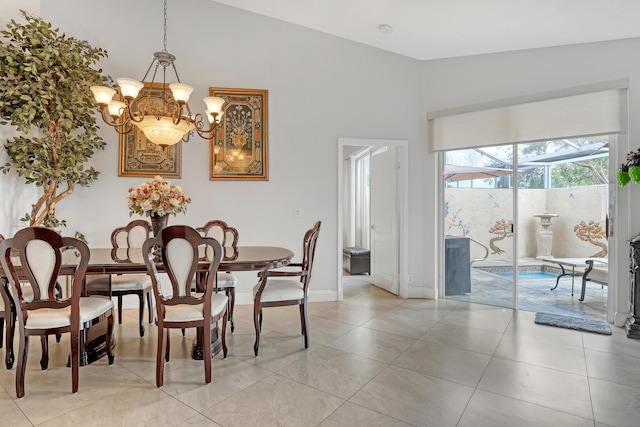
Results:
<point x="536" y="295"/>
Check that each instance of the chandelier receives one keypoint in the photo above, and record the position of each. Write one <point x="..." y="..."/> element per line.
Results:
<point x="162" y="110"/>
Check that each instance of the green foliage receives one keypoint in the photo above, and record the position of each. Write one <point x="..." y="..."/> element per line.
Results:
<point x="44" y="84"/>
<point x="579" y="174"/>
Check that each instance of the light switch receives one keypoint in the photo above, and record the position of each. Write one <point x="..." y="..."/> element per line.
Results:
<point x="297" y="212"/>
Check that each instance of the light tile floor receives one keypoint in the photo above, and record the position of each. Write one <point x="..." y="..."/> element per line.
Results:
<point x="375" y="360"/>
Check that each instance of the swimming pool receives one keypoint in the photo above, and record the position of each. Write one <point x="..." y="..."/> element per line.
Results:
<point x="528" y="275"/>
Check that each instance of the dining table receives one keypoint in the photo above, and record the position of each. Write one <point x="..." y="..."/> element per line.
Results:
<point x="104" y="261"/>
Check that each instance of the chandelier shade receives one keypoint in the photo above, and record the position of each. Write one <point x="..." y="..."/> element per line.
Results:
<point x="163" y="116"/>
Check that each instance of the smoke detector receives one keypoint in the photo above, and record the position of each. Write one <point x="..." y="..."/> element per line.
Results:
<point x="384" y="28"/>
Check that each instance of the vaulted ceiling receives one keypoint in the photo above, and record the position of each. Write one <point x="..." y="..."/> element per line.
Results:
<point x="432" y="29"/>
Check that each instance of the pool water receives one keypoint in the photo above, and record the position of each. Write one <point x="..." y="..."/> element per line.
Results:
<point x="529" y="275"/>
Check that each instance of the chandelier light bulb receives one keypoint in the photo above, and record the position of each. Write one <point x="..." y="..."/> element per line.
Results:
<point x="116" y="108"/>
<point x="181" y="91"/>
<point x="129" y="87"/>
<point x="102" y="94"/>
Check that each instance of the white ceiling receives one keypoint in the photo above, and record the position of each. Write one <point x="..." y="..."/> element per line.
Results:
<point x="431" y="29"/>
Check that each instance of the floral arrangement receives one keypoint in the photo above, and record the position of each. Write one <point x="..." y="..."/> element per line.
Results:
<point x="157" y="197"/>
<point x="630" y="171"/>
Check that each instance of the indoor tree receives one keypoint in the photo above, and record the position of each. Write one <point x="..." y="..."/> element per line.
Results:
<point x="44" y="90"/>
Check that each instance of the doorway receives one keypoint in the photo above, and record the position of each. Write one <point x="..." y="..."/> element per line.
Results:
<point x="381" y="225"/>
<point x="510" y="210"/>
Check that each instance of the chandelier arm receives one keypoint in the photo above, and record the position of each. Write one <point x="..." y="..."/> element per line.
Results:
<point x="206" y="133"/>
<point x="177" y="118"/>
<point x="133" y="112"/>
<point x="185" y="137"/>
<point x="125" y="128"/>
<point x="110" y="120"/>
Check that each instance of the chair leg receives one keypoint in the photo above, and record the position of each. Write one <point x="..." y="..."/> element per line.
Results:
<point x="168" y="346"/>
<point x="75" y="359"/>
<point x="58" y="337"/>
<point x="206" y="354"/>
<point x="162" y="349"/>
<point x="183" y="331"/>
<point x="44" y="360"/>
<point x="2" y="328"/>
<point x="109" y="339"/>
<point x="141" y="313"/>
<point x="119" y="309"/>
<point x="11" y="324"/>
<point x="231" y="294"/>
<point x="23" y="351"/>
<point x="224" y="334"/>
<point x="304" y="320"/>
<point x="150" y="306"/>
<point x="257" y="323"/>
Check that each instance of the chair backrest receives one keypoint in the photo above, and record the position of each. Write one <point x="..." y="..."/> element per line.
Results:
<point x="225" y="235"/>
<point x="220" y="230"/>
<point x="308" y="252"/>
<point x="180" y="247"/>
<point x="39" y="260"/>
<point x="131" y="235"/>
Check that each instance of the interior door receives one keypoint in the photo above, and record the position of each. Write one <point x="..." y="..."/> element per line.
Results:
<point x="384" y="222"/>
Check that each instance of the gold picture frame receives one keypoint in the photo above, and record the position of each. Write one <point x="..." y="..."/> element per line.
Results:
<point x="239" y="150"/>
<point x="141" y="157"/>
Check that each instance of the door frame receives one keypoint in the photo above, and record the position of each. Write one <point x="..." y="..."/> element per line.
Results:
<point x="615" y="298"/>
<point x="402" y="208"/>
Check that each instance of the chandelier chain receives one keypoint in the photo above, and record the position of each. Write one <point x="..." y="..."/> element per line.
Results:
<point x="165" y="26"/>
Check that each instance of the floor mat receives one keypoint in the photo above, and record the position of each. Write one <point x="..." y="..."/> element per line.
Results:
<point x="587" y="325"/>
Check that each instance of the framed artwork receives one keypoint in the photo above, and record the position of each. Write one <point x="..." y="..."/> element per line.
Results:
<point x="239" y="150"/>
<point x="141" y="157"/>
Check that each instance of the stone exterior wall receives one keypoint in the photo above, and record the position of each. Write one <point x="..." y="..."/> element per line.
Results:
<point x="474" y="211"/>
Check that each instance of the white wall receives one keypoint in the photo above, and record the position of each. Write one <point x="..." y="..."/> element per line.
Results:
<point x="320" y="88"/>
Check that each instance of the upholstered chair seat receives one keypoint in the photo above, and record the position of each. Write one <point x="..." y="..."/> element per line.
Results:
<point x="122" y="282"/>
<point x="48" y="318"/>
<point x="189" y="313"/>
<point x="280" y="290"/>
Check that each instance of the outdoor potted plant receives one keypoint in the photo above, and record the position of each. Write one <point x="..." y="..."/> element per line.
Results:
<point x="44" y="87"/>
<point x="630" y="171"/>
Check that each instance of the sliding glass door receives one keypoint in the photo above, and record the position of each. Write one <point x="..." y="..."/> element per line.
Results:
<point x="510" y="210"/>
<point x="478" y="225"/>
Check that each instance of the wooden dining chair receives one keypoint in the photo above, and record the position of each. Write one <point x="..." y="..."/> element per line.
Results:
<point x="180" y="247"/>
<point x="131" y="235"/>
<point x="39" y="260"/>
<point x="228" y="238"/>
<point x="276" y="289"/>
<point x="7" y="315"/>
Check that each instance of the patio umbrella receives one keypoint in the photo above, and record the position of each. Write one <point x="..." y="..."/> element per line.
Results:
<point x="463" y="173"/>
